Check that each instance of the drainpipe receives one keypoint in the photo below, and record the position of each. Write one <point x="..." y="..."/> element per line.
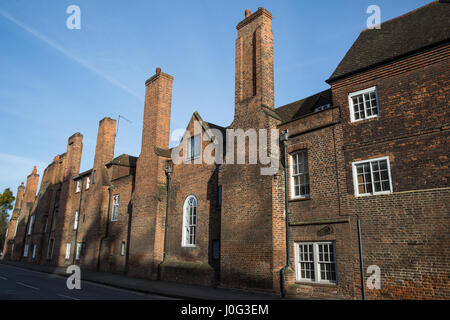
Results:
<point x="284" y="138"/>
<point x="110" y="189"/>
<point x="361" y="263"/>
<point x="168" y="169"/>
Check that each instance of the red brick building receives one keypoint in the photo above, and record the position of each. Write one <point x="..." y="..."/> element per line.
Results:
<point x="367" y="180"/>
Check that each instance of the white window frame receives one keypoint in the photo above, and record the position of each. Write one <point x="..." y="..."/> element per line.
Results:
<point x="77" y="219"/>
<point x="193" y="152"/>
<point x="315" y="262"/>
<point x="78" y="187"/>
<point x="115" y="208"/>
<point x="78" y="251"/>
<point x="292" y="178"/>
<point x="25" y="250"/>
<point x="122" y="248"/>
<point x="362" y="92"/>
<point x="88" y="183"/>
<point x="187" y="224"/>
<point x="34" y="252"/>
<point x="30" y="226"/>
<point x="355" y="177"/>
<point x="68" y="246"/>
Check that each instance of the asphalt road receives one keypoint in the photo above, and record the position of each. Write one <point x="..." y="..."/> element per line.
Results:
<point x="21" y="284"/>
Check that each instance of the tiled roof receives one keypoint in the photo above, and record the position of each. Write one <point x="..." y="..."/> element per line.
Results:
<point x="418" y="30"/>
<point x="303" y="107"/>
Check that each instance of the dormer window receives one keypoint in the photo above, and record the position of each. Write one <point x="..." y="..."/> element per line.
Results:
<point x="363" y="104"/>
<point x="321" y="108"/>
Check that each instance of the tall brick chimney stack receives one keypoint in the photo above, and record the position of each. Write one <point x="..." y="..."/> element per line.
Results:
<point x="150" y="177"/>
<point x="31" y="187"/>
<point x="74" y="151"/>
<point x="252" y="261"/>
<point x="104" y="149"/>
<point x="19" y="197"/>
<point x="156" y="128"/>
<point x="13" y="222"/>
<point x="254" y="63"/>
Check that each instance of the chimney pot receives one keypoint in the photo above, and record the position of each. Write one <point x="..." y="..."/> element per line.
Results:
<point x="34" y="170"/>
<point x="248" y="12"/>
<point x="158" y="70"/>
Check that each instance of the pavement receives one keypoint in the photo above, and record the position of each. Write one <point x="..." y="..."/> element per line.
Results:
<point x="51" y="280"/>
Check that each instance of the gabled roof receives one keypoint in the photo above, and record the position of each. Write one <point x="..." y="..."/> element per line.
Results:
<point x="304" y="107"/>
<point x="416" y="31"/>
<point x="123" y="160"/>
<point x="206" y="126"/>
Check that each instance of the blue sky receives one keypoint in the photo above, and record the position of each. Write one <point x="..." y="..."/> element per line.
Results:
<point x="55" y="81"/>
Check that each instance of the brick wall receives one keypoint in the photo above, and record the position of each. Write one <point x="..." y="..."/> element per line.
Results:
<point x="404" y="233"/>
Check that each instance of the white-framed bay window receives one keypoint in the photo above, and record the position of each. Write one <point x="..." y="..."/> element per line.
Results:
<point x="372" y="177"/>
<point x="316" y="262"/>
<point x="190" y="211"/>
<point x="299" y="174"/>
<point x="363" y="104"/>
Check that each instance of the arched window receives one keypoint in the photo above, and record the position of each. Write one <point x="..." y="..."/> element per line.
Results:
<point x="190" y="222"/>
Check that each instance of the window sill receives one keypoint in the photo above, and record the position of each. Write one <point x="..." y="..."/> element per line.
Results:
<point x="300" y="199"/>
<point x="189" y="246"/>
<point x="316" y="284"/>
<point x="365" y="119"/>
<point x="372" y="194"/>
